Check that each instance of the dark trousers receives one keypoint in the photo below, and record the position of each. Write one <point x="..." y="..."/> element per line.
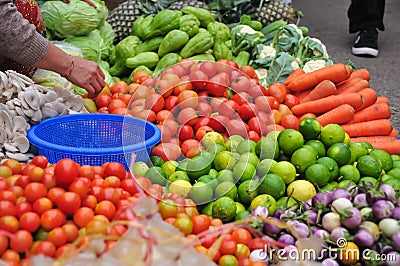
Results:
<point x="366" y="13"/>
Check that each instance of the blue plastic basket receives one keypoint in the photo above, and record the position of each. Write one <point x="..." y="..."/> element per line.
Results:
<point x="93" y="139"/>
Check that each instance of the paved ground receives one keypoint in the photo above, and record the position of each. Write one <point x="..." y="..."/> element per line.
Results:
<point x="327" y="21"/>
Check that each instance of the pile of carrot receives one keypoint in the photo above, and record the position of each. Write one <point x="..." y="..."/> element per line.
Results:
<point x="338" y="95"/>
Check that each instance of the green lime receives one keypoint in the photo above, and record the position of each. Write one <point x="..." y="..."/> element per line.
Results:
<point x="227" y="189"/>
<point x="212" y="138"/>
<point x="318" y="174"/>
<point x="225" y="175"/>
<point x="301" y="190"/>
<point x="169" y="167"/>
<point x="303" y="158"/>
<point x="395" y="157"/>
<point x="208" y="180"/>
<point x="395" y="183"/>
<point x="216" y="148"/>
<point x="318" y="145"/>
<point x="247" y="191"/>
<point x="384" y="158"/>
<point x="266" y="201"/>
<point x="241" y="215"/>
<point x="250" y="157"/>
<point x="344" y="184"/>
<point x="232" y="142"/>
<point x="352" y="158"/>
<point x="246" y="145"/>
<point x="267" y="148"/>
<point x="331" y="134"/>
<point x="312" y="149"/>
<point x="396" y="164"/>
<point x="286" y="170"/>
<point x="368" y="165"/>
<point x="265" y="166"/>
<point x="140" y="168"/>
<point x="239" y="207"/>
<point x="329" y="187"/>
<point x="369" y="145"/>
<point x="310" y="128"/>
<point x="332" y="167"/>
<point x="395" y="172"/>
<point x="224" y="160"/>
<point x="178" y="175"/>
<point x="213" y="173"/>
<point x="273" y="134"/>
<point x="207" y="209"/>
<point x="273" y="185"/>
<point x="156" y="175"/>
<point x="349" y="172"/>
<point x="340" y="153"/>
<point x="224" y="208"/>
<point x="367" y="180"/>
<point x="286" y="202"/>
<point x="199" y="165"/>
<point x="290" y="140"/>
<point x="180" y="187"/>
<point x="243" y="171"/>
<point x="156" y="160"/>
<point x="358" y="149"/>
<point x="201" y="193"/>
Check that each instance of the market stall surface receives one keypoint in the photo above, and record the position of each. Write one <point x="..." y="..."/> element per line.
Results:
<point x="327" y="21"/>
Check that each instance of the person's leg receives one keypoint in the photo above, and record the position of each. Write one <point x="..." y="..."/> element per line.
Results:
<point x="365" y="17"/>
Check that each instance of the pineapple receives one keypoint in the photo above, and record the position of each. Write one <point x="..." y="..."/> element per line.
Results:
<point x="273" y="10"/>
<point x="178" y="5"/>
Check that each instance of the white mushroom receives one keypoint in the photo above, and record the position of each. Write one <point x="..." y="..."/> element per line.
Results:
<point x="23" y="102"/>
<point x="16" y="101"/>
<point x="10" y="147"/>
<point x="3" y="78"/>
<point x="20" y="125"/>
<point x="20" y="112"/>
<point x="48" y="112"/>
<point x="37" y="116"/>
<point x="58" y="107"/>
<point x="20" y="157"/>
<point x="10" y="105"/>
<point x="51" y="96"/>
<point x="61" y="92"/>
<point x="74" y="102"/>
<point x="3" y="136"/>
<point x="12" y="113"/>
<point x="32" y="98"/>
<point x="8" y="92"/>
<point x="25" y="79"/>
<point x="28" y="112"/>
<point x="21" y="142"/>
<point x="6" y="119"/>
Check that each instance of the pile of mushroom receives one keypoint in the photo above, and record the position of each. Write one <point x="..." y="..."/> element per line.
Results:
<point x="24" y="103"/>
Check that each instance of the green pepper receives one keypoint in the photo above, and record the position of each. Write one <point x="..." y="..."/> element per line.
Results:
<point x="148" y="59"/>
<point x="172" y="42"/>
<point x="189" y="24"/>
<point x="214" y="27"/>
<point x="167" y="61"/>
<point x="221" y="51"/>
<point x="242" y="59"/>
<point x="198" y="44"/>
<point x="203" y="15"/>
<point x="150" y="45"/>
<point x="162" y="23"/>
<point x="203" y="57"/>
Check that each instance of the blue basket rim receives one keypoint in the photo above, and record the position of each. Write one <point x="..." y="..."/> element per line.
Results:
<point x="35" y="140"/>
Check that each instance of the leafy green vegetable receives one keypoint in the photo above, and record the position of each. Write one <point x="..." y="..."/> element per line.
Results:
<point x="280" y="68"/>
<point x="91" y="49"/>
<point x="244" y="38"/>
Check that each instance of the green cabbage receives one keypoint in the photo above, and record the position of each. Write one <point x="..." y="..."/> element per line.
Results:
<point x="91" y="49"/>
<point x="96" y="36"/>
<point x="107" y="33"/>
<point x="74" y="19"/>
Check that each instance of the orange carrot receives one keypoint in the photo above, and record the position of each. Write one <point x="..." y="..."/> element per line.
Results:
<point x="295" y="73"/>
<point x="369" y="97"/>
<point x="335" y="73"/>
<point x="392" y="147"/>
<point x="356" y="87"/>
<point x="323" y="89"/>
<point x="372" y="139"/>
<point x="380" y="127"/>
<point x="338" y="115"/>
<point x="362" y="73"/>
<point x="394" y="133"/>
<point x="347" y="83"/>
<point x="301" y="94"/>
<point x="382" y="99"/>
<point x="373" y="112"/>
<point x="328" y="103"/>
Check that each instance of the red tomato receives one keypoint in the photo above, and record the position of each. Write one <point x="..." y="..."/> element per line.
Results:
<point x="49" y="180"/>
<point x="240" y="84"/>
<point x="7" y="208"/>
<point x="185" y="132"/>
<point x="247" y="111"/>
<point x="106" y="208"/>
<point x="103" y="100"/>
<point x="110" y="194"/>
<point x="199" y="79"/>
<point x="290" y="121"/>
<point x="164" y="115"/>
<point x="29" y="221"/>
<point x="40" y="161"/>
<point x="140" y="76"/>
<point x="277" y="90"/>
<point x="35" y="190"/>
<point x="22" y="208"/>
<point x="236" y="127"/>
<point x="256" y="90"/>
<point x="66" y="170"/>
<point x="165" y="133"/>
<point x="146" y="114"/>
<point x="204" y="109"/>
<point x="54" y="193"/>
<point x="267" y="103"/>
<point x="103" y="110"/>
<point x="257" y="124"/>
<point x="14" y="165"/>
<point x="209" y="68"/>
<point x="80" y="186"/>
<point x="241" y="236"/>
<point x="9" y="223"/>
<point x="171" y="102"/>
<point x="188" y="145"/>
<point x="83" y="216"/>
<point x="186" y="64"/>
<point x="22" y="241"/>
<point x="249" y="71"/>
<point x="182" y="86"/>
<point x="115" y="169"/>
<point x="257" y="243"/>
<point x="8" y="195"/>
<point x="71" y="231"/>
<point x="41" y="205"/>
<point x="291" y="100"/>
<point x="36" y="174"/>
<point x="3" y="244"/>
<point x="119" y="86"/>
<point x="229" y="108"/>
<point x="254" y="136"/>
<point x="200" y="223"/>
<point x="57" y="236"/>
<point x="228" y="247"/>
<point x="217" y="84"/>
<point x="116" y="104"/>
<point x="52" y="218"/>
<point x="188" y="99"/>
<point x="154" y="102"/>
<point x="242" y="98"/>
<point x="179" y="69"/>
<point x="91" y="201"/>
<point x="164" y="87"/>
<point x="226" y="66"/>
<point x="45" y="248"/>
<point x="187" y="115"/>
<point x="167" y="151"/>
<point x="68" y="202"/>
<point x="202" y="131"/>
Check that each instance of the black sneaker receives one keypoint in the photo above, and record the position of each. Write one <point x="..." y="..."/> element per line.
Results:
<point x="366" y="43"/>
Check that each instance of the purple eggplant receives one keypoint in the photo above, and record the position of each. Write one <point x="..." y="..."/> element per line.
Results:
<point x="311" y="217"/>
<point x="396" y="241"/>
<point x="287" y="215"/>
<point x="389" y="226"/>
<point x="271" y="229"/>
<point x="353" y="190"/>
<point x="314" y="229"/>
<point x="339" y="233"/>
<point x="396" y="213"/>
<point x="302" y="230"/>
<point x="363" y="238"/>
<point x="287" y="239"/>
<point x="260" y="211"/>
<point x="330" y="221"/>
<point x="387" y="249"/>
<point x="339" y="194"/>
<point x="394" y="259"/>
<point x="290" y="251"/>
<point x="398" y="202"/>
<point x="382" y="209"/>
<point x="372" y="228"/>
<point x="366" y="213"/>
<point x="341" y="204"/>
<point x="360" y="201"/>
<point x="321" y="200"/>
<point x="330" y="262"/>
<point x="321" y="234"/>
<point x="307" y="205"/>
<point x="292" y="223"/>
<point x="351" y="218"/>
<point x="388" y="191"/>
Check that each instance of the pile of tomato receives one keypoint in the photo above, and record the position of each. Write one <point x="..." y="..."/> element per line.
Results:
<point x="192" y="98"/>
